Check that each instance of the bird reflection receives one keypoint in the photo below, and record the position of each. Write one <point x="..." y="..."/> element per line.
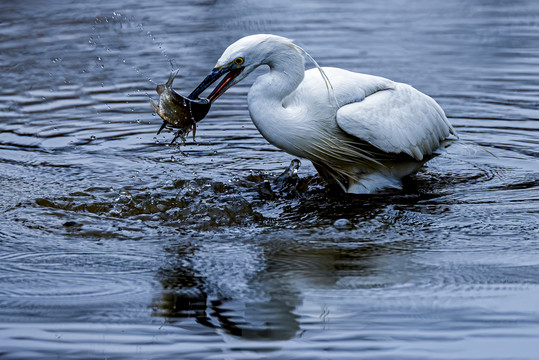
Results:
<point x="265" y="307"/>
<point x="246" y="310"/>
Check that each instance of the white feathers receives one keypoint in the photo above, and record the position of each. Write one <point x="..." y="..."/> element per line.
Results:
<point x="358" y="137"/>
<point x="329" y="86"/>
<point x="399" y="120"/>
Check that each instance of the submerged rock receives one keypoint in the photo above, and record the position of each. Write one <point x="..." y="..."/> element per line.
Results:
<point x="343" y="224"/>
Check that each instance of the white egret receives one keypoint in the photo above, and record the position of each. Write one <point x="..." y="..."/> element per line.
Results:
<point x="360" y="131"/>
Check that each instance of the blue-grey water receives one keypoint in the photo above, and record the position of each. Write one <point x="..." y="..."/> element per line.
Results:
<point x="115" y="245"/>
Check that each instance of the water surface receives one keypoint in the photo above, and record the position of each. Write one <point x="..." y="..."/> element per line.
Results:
<point x="115" y="245"/>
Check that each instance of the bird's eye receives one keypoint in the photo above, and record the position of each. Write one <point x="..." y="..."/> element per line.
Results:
<point x="238" y="61"/>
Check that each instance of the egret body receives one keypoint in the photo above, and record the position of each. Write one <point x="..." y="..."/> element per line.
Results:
<point x="360" y="131"/>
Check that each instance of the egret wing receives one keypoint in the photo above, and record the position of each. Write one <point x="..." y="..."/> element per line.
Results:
<point x="398" y="120"/>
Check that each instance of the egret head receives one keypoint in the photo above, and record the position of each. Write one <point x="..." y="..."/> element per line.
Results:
<point x="240" y="59"/>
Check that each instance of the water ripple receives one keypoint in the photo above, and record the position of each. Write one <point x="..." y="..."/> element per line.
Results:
<point x="115" y="244"/>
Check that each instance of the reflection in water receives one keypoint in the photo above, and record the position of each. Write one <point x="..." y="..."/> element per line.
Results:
<point x="252" y="295"/>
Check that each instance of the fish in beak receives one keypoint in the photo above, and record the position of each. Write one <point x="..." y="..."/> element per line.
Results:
<point x="177" y="111"/>
<point x="182" y="113"/>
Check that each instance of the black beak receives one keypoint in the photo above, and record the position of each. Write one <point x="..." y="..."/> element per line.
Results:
<point x="223" y="86"/>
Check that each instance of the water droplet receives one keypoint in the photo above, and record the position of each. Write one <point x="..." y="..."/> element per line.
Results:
<point x="92" y="137"/>
<point x="172" y="158"/>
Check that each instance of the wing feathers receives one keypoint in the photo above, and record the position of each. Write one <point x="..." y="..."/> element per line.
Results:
<point x="400" y="120"/>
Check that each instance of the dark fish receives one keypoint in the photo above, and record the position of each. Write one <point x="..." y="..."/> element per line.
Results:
<point x="177" y="111"/>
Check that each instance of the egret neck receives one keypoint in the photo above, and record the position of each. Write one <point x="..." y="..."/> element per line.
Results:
<point x="276" y="120"/>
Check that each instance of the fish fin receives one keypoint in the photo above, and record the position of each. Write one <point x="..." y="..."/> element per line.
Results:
<point x="178" y="134"/>
<point x="174" y="139"/>
<point x="171" y="78"/>
<point x="162" y="127"/>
